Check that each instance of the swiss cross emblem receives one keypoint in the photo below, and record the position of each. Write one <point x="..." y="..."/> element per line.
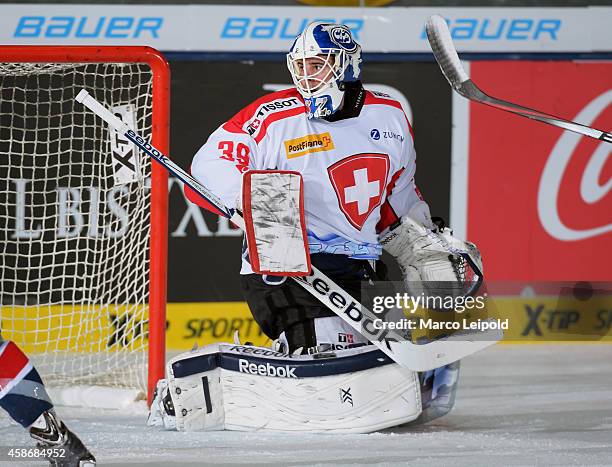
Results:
<point x="359" y="182"/>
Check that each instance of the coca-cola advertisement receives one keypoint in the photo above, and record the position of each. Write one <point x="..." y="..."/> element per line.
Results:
<point x="535" y="198"/>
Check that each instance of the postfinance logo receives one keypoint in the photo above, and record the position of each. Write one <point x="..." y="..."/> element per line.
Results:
<point x="303" y="145"/>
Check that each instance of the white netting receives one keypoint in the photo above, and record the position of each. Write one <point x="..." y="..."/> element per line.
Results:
<point x="74" y="257"/>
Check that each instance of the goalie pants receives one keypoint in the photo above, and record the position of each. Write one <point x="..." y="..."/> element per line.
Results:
<point x="291" y="309"/>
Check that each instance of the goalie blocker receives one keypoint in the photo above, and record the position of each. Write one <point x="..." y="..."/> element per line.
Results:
<point x="247" y="388"/>
<point x="273" y="209"/>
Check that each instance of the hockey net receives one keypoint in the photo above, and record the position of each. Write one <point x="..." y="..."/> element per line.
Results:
<point x="83" y="214"/>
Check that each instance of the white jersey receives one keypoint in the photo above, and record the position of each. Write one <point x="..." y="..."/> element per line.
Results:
<point x="358" y="172"/>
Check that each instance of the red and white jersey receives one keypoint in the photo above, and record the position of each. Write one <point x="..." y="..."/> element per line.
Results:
<point x="358" y="172"/>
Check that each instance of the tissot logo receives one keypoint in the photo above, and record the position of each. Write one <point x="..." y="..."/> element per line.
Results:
<point x="272" y="106"/>
<point x="253" y="125"/>
<point x="307" y="144"/>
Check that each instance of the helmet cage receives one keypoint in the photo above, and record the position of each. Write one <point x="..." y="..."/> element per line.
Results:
<point x="313" y="73"/>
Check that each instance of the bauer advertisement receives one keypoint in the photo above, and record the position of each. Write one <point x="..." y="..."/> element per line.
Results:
<point x="536" y="199"/>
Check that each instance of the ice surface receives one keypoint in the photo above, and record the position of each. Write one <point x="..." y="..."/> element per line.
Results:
<point x="516" y="405"/>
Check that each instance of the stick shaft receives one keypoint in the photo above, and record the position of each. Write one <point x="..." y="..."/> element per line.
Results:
<point x="446" y="55"/>
<point x="92" y="104"/>
<point x="469" y="90"/>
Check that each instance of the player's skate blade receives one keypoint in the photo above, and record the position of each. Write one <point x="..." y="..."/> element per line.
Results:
<point x="64" y="447"/>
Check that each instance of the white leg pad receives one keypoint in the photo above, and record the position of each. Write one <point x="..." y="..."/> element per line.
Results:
<point x="198" y="401"/>
<point x="351" y="403"/>
<point x="248" y="388"/>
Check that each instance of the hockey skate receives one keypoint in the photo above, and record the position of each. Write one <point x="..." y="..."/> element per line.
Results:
<point x="64" y="447"/>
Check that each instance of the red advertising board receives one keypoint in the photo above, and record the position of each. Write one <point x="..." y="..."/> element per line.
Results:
<point x="539" y="199"/>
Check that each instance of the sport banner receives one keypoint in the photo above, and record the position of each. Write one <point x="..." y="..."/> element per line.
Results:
<point x="536" y="199"/>
<point x="118" y="328"/>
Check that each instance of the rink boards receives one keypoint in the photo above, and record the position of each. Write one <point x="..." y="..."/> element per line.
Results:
<point x="537" y="319"/>
<point x="530" y="320"/>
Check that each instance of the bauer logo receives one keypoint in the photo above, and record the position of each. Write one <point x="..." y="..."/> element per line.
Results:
<point x="278" y="28"/>
<point x="308" y="144"/>
<point x="503" y="29"/>
<point x="277" y="371"/>
<point x="88" y="27"/>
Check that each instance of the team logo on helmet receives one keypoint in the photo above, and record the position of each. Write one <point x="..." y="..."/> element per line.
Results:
<point x="341" y="36"/>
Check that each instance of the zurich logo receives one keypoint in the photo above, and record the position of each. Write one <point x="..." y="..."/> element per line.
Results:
<point x="375" y="134"/>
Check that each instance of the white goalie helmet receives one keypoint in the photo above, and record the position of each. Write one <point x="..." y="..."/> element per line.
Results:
<point x="322" y="58"/>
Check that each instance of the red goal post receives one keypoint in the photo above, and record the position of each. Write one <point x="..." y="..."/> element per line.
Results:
<point x="146" y="88"/>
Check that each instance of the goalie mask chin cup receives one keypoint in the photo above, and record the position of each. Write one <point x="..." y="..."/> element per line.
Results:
<point x="321" y="60"/>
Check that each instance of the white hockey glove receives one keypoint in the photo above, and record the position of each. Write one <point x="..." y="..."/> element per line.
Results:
<point x="433" y="262"/>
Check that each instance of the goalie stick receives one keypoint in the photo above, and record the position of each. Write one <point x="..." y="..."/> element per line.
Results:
<point x="415" y="357"/>
<point x="446" y="55"/>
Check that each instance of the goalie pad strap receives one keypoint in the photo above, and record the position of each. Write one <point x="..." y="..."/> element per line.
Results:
<point x="235" y="357"/>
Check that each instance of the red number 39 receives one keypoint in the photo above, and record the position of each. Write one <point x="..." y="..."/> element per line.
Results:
<point x="240" y="155"/>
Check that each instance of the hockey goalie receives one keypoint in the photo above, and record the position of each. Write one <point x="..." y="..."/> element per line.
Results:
<point x="323" y="174"/>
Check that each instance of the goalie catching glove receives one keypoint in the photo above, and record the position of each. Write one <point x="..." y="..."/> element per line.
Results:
<point x="433" y="262"/>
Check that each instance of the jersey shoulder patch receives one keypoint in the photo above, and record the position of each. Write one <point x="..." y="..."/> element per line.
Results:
<point x="255" y="117"/>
